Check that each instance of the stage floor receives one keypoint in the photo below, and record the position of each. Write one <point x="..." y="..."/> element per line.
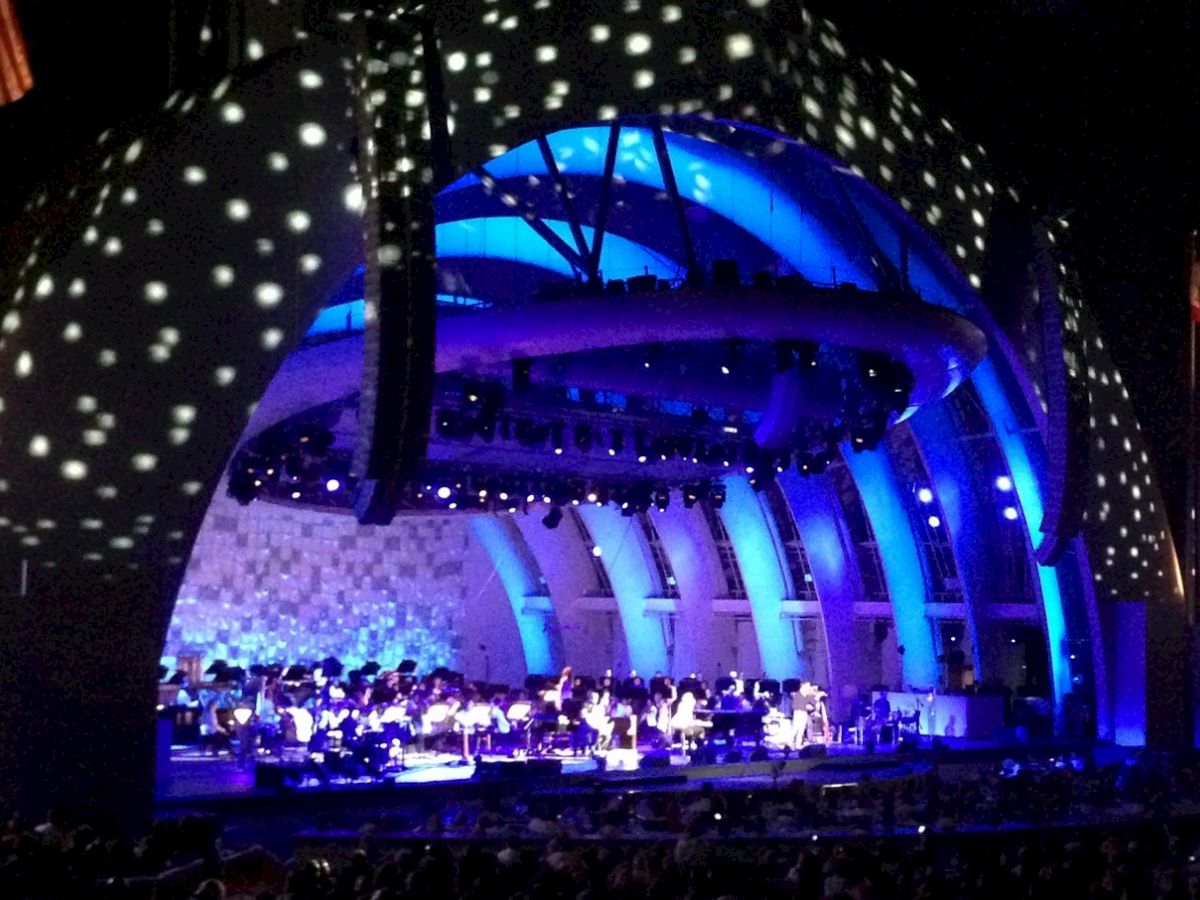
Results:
<point x="193" y="776"/>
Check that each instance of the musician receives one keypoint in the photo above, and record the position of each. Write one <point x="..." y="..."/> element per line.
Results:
<point x="685" y="721"/>
<point x="595" y="727"/>
<point x="212" y="732"/>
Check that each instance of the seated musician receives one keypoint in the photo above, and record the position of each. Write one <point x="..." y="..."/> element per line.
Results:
<point x="472" y="720"/>
<point x="594" y="728"/>
<point x="499" y="720"/>
<point x="685" y="723"/>
<point x="212" y="733"/>
<point x="657" y="719"/>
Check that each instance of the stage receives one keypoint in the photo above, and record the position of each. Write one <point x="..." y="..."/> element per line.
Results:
<point x="194" y="780"/>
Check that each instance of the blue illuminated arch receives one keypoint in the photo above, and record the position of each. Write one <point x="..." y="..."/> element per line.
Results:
<point x="633" y="580"/>
<point x="900" y="559"/>
<point x="756" y="546"/>
<point x="821" y="523"/>
<point x="512" y="239"/>
<point x="733" y="185"/>
<point x="505" y="547"/>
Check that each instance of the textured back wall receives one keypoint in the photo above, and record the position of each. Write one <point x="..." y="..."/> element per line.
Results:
<point x="268" y="583"/>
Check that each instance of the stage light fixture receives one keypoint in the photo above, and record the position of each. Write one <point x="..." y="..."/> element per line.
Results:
<point x="552" y="518"/>
<point x="1004" y="483"/>
<point x="934" y="522"/>
<point x="925" y="495"/>
<point x="332" y="484"/>
<point x="1011" y="513"/>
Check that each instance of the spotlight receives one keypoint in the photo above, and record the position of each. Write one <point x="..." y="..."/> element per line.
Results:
<point x="443" y="493"/>
<point x="934" y="522"/>
<point x="662" y="499"/>
<point x="556" y="438"/>
<point x="1011" y="513"/>
<point x="332" y="485"/>
<point x="925" y="495"/>
<point x="552" y="518"/>
<point x="1004" y="483"/>
<point x="597" y="552"/>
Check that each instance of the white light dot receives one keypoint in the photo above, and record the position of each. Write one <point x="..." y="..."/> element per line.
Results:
<point x="94" y="437"/>
<point x="643" y="78"/>
<point x="237" y="209"/>
<point x="309" y="263"/>
<point x="184" y="414"/>
<point x="232" y="113"/>
<point x="78" y="288"/>
<point x="107" y="358"/>
<point x="45" y="286"/>
<point x="546" y="53"/>
<point x="352" y="198"/>
<point x="74" y="469"/>
<point x="133" y="152"/>
<point x="637" y="44"/>
<point x="106" y="492"/>
<point x="72" y="332"/>
<point x="739" y="46"/>
<point x="224" y="375"/>
<point x="24" y="365"/>
<point x="456" y="61"/>
<point x="599" y="33"/>
<point x="298" y="220"/>
<point x="179" y="436"/>
<point x="277" y="162"/>
<point x="254" y="49"/>
<point x="268" y="295"/>
<point x="112" y="246"/>
<point x="155" y="292"/>
<point x="271" y="338"/>
<point x="934" y="522"/>
<point x="39" y="445"/>
<point x="310" y="80"/>
<point x="312" y="134"/>
<point x="597" y="552"/>
<point x="11" y="321"/>
<point x="194" y="175"/>
<point x="155" y="227"/>
<point x="222" y="276"/>
<point x="144" y="462"/>
<point x="191" y="488"/>
<point x="121" y="543"/>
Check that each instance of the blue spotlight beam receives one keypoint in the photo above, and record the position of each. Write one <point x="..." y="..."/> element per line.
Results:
<point x="901" y="561"/>
<point x="756" y="546"/>
<point x="626" y="560"/>
<point x="505" y="547"/>
<point x="821" y="522"/>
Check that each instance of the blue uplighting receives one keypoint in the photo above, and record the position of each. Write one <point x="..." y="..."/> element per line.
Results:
<point x="500" y="542"/>
<point x="513" y="239"/>
<point x="752" y="534"/>
<point x="347" y="318"/>
<point x="901" y="561"/>
<point x="626" y="562"/>
<point x="732" y="185"/>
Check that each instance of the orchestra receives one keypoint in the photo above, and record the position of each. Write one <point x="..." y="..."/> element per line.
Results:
<point x="378" y="717"/>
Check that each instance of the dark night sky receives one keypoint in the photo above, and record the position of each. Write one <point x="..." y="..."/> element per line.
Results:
<point x="1091" y="107"/>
